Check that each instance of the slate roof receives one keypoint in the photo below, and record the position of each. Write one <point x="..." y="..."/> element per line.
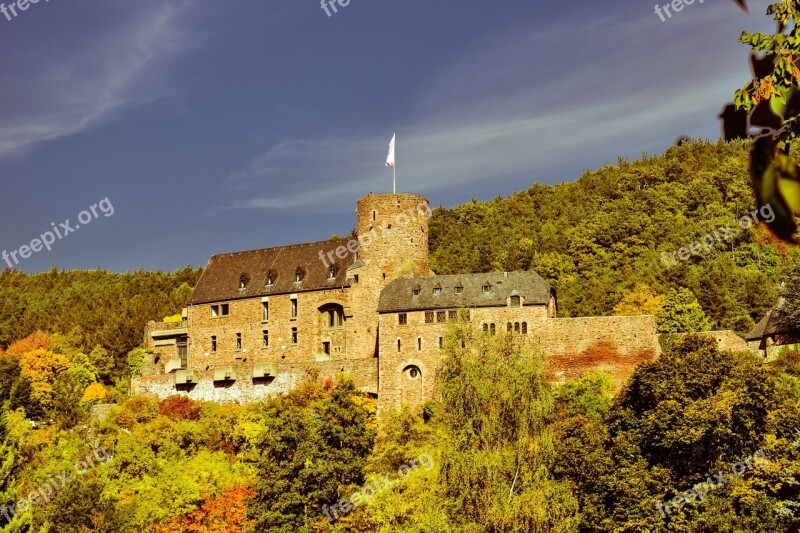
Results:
<point x="220" y="279"/>
<point x="769" y="325"/>
<point x="399" y="293"/>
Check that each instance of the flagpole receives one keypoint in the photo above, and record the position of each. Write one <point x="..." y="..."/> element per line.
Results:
<point x="394" y="167"/>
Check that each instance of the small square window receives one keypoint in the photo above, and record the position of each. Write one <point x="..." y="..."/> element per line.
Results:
<point x="487" y="288"/>
<point x="459" y="289"/>
<point x="429" y="317"/>
<point x="437" y="291"/>
<point x="402" y="319"/>
<point x="441" y="316"/>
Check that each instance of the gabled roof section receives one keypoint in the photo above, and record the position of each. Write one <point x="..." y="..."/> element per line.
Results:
<point x="399" y="294"/>
<point x="769" y="325"/>
<point x="220" y="279"/>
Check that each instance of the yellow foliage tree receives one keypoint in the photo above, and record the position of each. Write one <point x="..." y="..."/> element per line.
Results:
<point x="642" y="300"/>
<point x="95" y="392"/>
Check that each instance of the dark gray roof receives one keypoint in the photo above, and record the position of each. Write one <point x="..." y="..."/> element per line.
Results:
<point x="771" y="324"/>
<point x="399" y="294"/>
<point x="220" y="279"/>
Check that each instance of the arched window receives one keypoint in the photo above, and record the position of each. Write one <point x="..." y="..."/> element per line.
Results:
<point x="516" y="327"/>
<point x="524" y="328"/>
<point x="491" y="328"/>
<point x="508" y="327"/>
<point x="333" y="316"/>
<point x="412" y="372"/>
<point x="486" y="327"/>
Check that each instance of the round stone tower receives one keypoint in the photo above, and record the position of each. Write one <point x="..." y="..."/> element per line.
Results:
<point x="393" y="242"/>
<point x="393" y="235"/>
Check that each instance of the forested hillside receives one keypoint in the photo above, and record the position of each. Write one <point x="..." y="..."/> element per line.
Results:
<point x="97" y="309"/>
<point x="596" y="238"/>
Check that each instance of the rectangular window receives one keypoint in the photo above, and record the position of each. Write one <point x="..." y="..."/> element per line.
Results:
<point x="214" y="311"/>
<point x="398" y="345"/>
<point x="441" y="316"/>
<point x="403" y="318"/>
<point x="238" y="341"/>
<point x="265" y="342"/>
<point x="441" y="342"/>
<point x="294" y="335"/>
<point x="419" y="344"/>
<point x="224" y="310"/>
<point x="265" y="307"/>
<point x="429" y="317"/>
<point x="459" y="289"/>
<point x="326" y="347"/>
<point x="294" y="308"/>
<point x="213" y="343"/>
<point x="452" y="315"/>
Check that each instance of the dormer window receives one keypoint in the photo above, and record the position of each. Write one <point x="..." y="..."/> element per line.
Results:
<point x="298" y="275"/>
<point x="437" y="290"/>
<point x="459" y="289"/>
<point x="416" y="290"/>
<point x="270" y="278"/>
<point x="486" y="288"/>
<point x="516" y="301"/>
<point x="332" y="272"/>
<point x="244" y="279"/>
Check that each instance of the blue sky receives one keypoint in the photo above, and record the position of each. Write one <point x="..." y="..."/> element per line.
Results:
<point x="223" y="126"/>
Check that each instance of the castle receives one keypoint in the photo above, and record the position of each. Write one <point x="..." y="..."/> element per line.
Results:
<point x="261" y="321"/>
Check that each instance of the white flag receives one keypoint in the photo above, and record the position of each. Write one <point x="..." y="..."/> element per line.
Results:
<point x="390" y="157"/>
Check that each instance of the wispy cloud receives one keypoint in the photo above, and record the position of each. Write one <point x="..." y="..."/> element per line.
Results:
<point x="77" y="86"/>
<point x="512" y="122"/>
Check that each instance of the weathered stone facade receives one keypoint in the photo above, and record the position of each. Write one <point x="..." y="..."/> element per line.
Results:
<point x="261" y="321"/>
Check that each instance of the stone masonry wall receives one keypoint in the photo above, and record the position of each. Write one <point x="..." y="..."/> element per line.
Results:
<point x="573" y="347"/>
<point x="615" y="344"/>
<point x="246" y="317"/>
<point x="419" y="349"/>
<point x="244" y="389"/>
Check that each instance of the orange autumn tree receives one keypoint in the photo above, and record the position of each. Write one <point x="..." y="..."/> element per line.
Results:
<point x="225" y="514"/>
<point x="40" y="363"/>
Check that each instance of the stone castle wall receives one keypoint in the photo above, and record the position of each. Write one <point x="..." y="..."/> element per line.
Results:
<point x="615" y="344"/>
<point x="246" y="317"/>
<point x="245" y="389"/>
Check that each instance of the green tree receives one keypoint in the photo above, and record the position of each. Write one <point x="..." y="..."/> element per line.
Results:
<point x="791" y="299"/>
<point x="681" y="313"/>
<point x="495" y="463"/>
